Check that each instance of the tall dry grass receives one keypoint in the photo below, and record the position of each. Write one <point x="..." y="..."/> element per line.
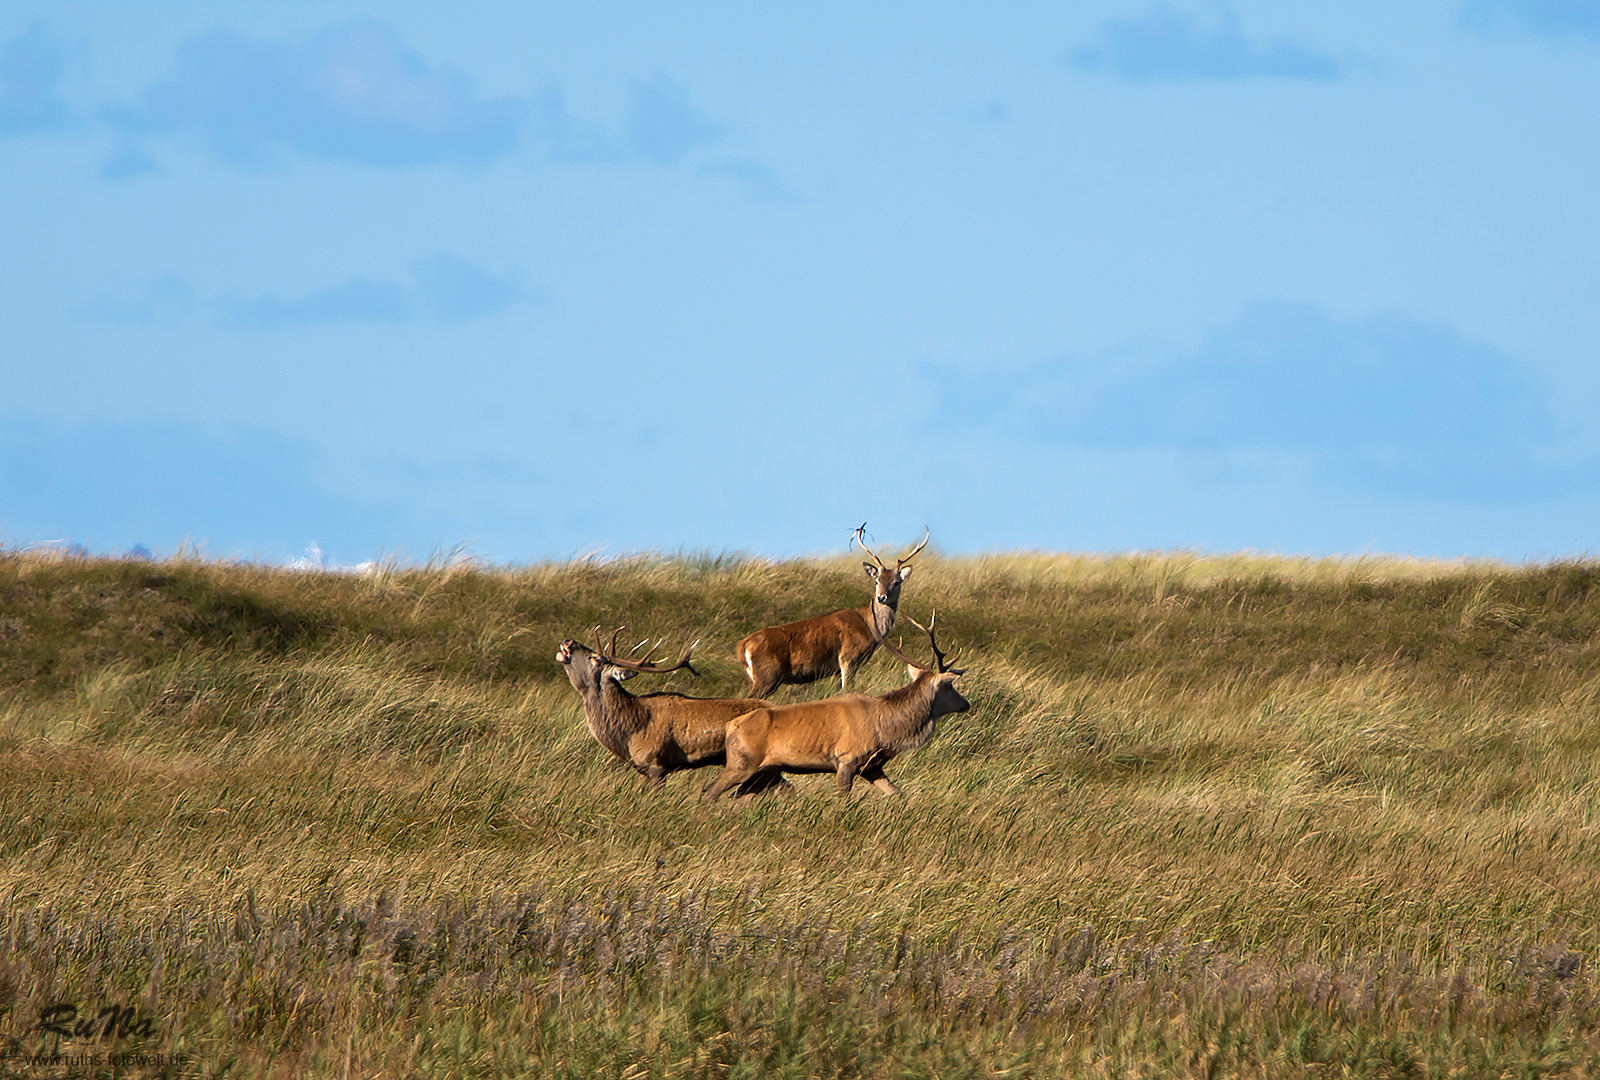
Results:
<point x="1225" y="815"/>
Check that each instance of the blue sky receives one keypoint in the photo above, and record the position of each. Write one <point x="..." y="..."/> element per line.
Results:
<point x="547" y="280"/>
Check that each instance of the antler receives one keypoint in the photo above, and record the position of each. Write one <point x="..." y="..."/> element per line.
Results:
<point x="907" y="558"/>
<point x="643" y="664"/>
<point x="938" y="654"/>
<point x="940" y="664"/>
<point x="898" y="563"/>
<point x="856" y="538"/>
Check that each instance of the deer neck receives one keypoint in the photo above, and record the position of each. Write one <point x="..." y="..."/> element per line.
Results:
<point x="615" y="716"/>
<point x="881" y="618"/>
<point x="907" y="720"/>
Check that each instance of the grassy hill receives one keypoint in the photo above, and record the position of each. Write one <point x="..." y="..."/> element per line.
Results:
<point x="1208" y="815"/>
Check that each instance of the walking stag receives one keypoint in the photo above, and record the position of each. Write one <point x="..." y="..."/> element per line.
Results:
<point x="835" y="643"/>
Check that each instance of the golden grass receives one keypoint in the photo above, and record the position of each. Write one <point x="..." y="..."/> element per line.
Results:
<point x="1224" y="814"/>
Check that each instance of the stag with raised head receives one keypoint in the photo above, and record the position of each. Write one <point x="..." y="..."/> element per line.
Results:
<point x="852" y="735"/>
<point x="655" y="733"/>
<point x="835" y="643"/>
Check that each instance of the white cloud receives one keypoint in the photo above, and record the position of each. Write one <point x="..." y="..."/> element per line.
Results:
<point x="1386" y="402"/>
<point x="442" y="286"/>
<point x="1163" y="44"/>
<point x="31" y="68"/>
<point x="1545" y="18"/>
<point x="664" y="125"/>
<point x="352" y="93"/>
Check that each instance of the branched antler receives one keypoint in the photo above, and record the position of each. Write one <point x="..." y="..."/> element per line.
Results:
<point x="941" y="664"/>
<point x="642" y="664"/>
<point x="861" y="531"/>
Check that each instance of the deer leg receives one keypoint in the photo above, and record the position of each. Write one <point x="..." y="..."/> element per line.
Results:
<point x="847" y="775"/>
<point x="761" y="783"/>
<point x="874" y="773"/>
<point x="764" y="781"/>
<point x="645" y="779"/>
<point x="844" y="675"/>
<point x="648" y="762"/>
<point x="731" y="777"/>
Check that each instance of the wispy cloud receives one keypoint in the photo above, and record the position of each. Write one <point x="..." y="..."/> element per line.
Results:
<point x="1545" y="18"/>
<point x="31" y="67"/>
<point x="443" y="286"/>
<point x="357" y="300"/>
<point x="1386" y="402"/>
<point x="1164" y="44"/>
<point x="664" y="125"/>
<point x="359" y="95"/>
<point x="756" y="180"/>
<point x="454" y="289"/>
<point x="166" y="297"/>
<point x="353" y="93"/>
<point x="128" y="161"/>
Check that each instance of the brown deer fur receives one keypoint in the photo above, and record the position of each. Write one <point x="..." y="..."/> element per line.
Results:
<point x="835" y="643"/>
<point x="850" y="735"/>
<point x="655" y="733"/>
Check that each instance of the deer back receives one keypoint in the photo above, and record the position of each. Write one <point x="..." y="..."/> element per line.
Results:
<point x="696" y="725"/>
<point x="815" y="645"/>
<point x="807" y="732"/>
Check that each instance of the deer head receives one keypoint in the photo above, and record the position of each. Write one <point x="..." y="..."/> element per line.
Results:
<point x="587" y="667"/>
<point x="942" y="670"/>
<point x="888" y="581"/>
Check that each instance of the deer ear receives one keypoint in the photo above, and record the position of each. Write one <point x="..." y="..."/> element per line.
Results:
<point x="618" y="673"/>
<point x="872" y="571"/>
<point x="905" y="572"/>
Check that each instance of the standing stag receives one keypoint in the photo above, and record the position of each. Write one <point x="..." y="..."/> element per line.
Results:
<point x="850" y="735"/>
<point x="655" y="733"/>
<point x="812" y="649"/>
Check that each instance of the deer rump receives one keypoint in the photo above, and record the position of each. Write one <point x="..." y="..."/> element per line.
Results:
<point x="686" y="732"/>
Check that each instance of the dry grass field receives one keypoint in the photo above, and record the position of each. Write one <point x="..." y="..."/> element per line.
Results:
<point x="1208" y="816"/>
